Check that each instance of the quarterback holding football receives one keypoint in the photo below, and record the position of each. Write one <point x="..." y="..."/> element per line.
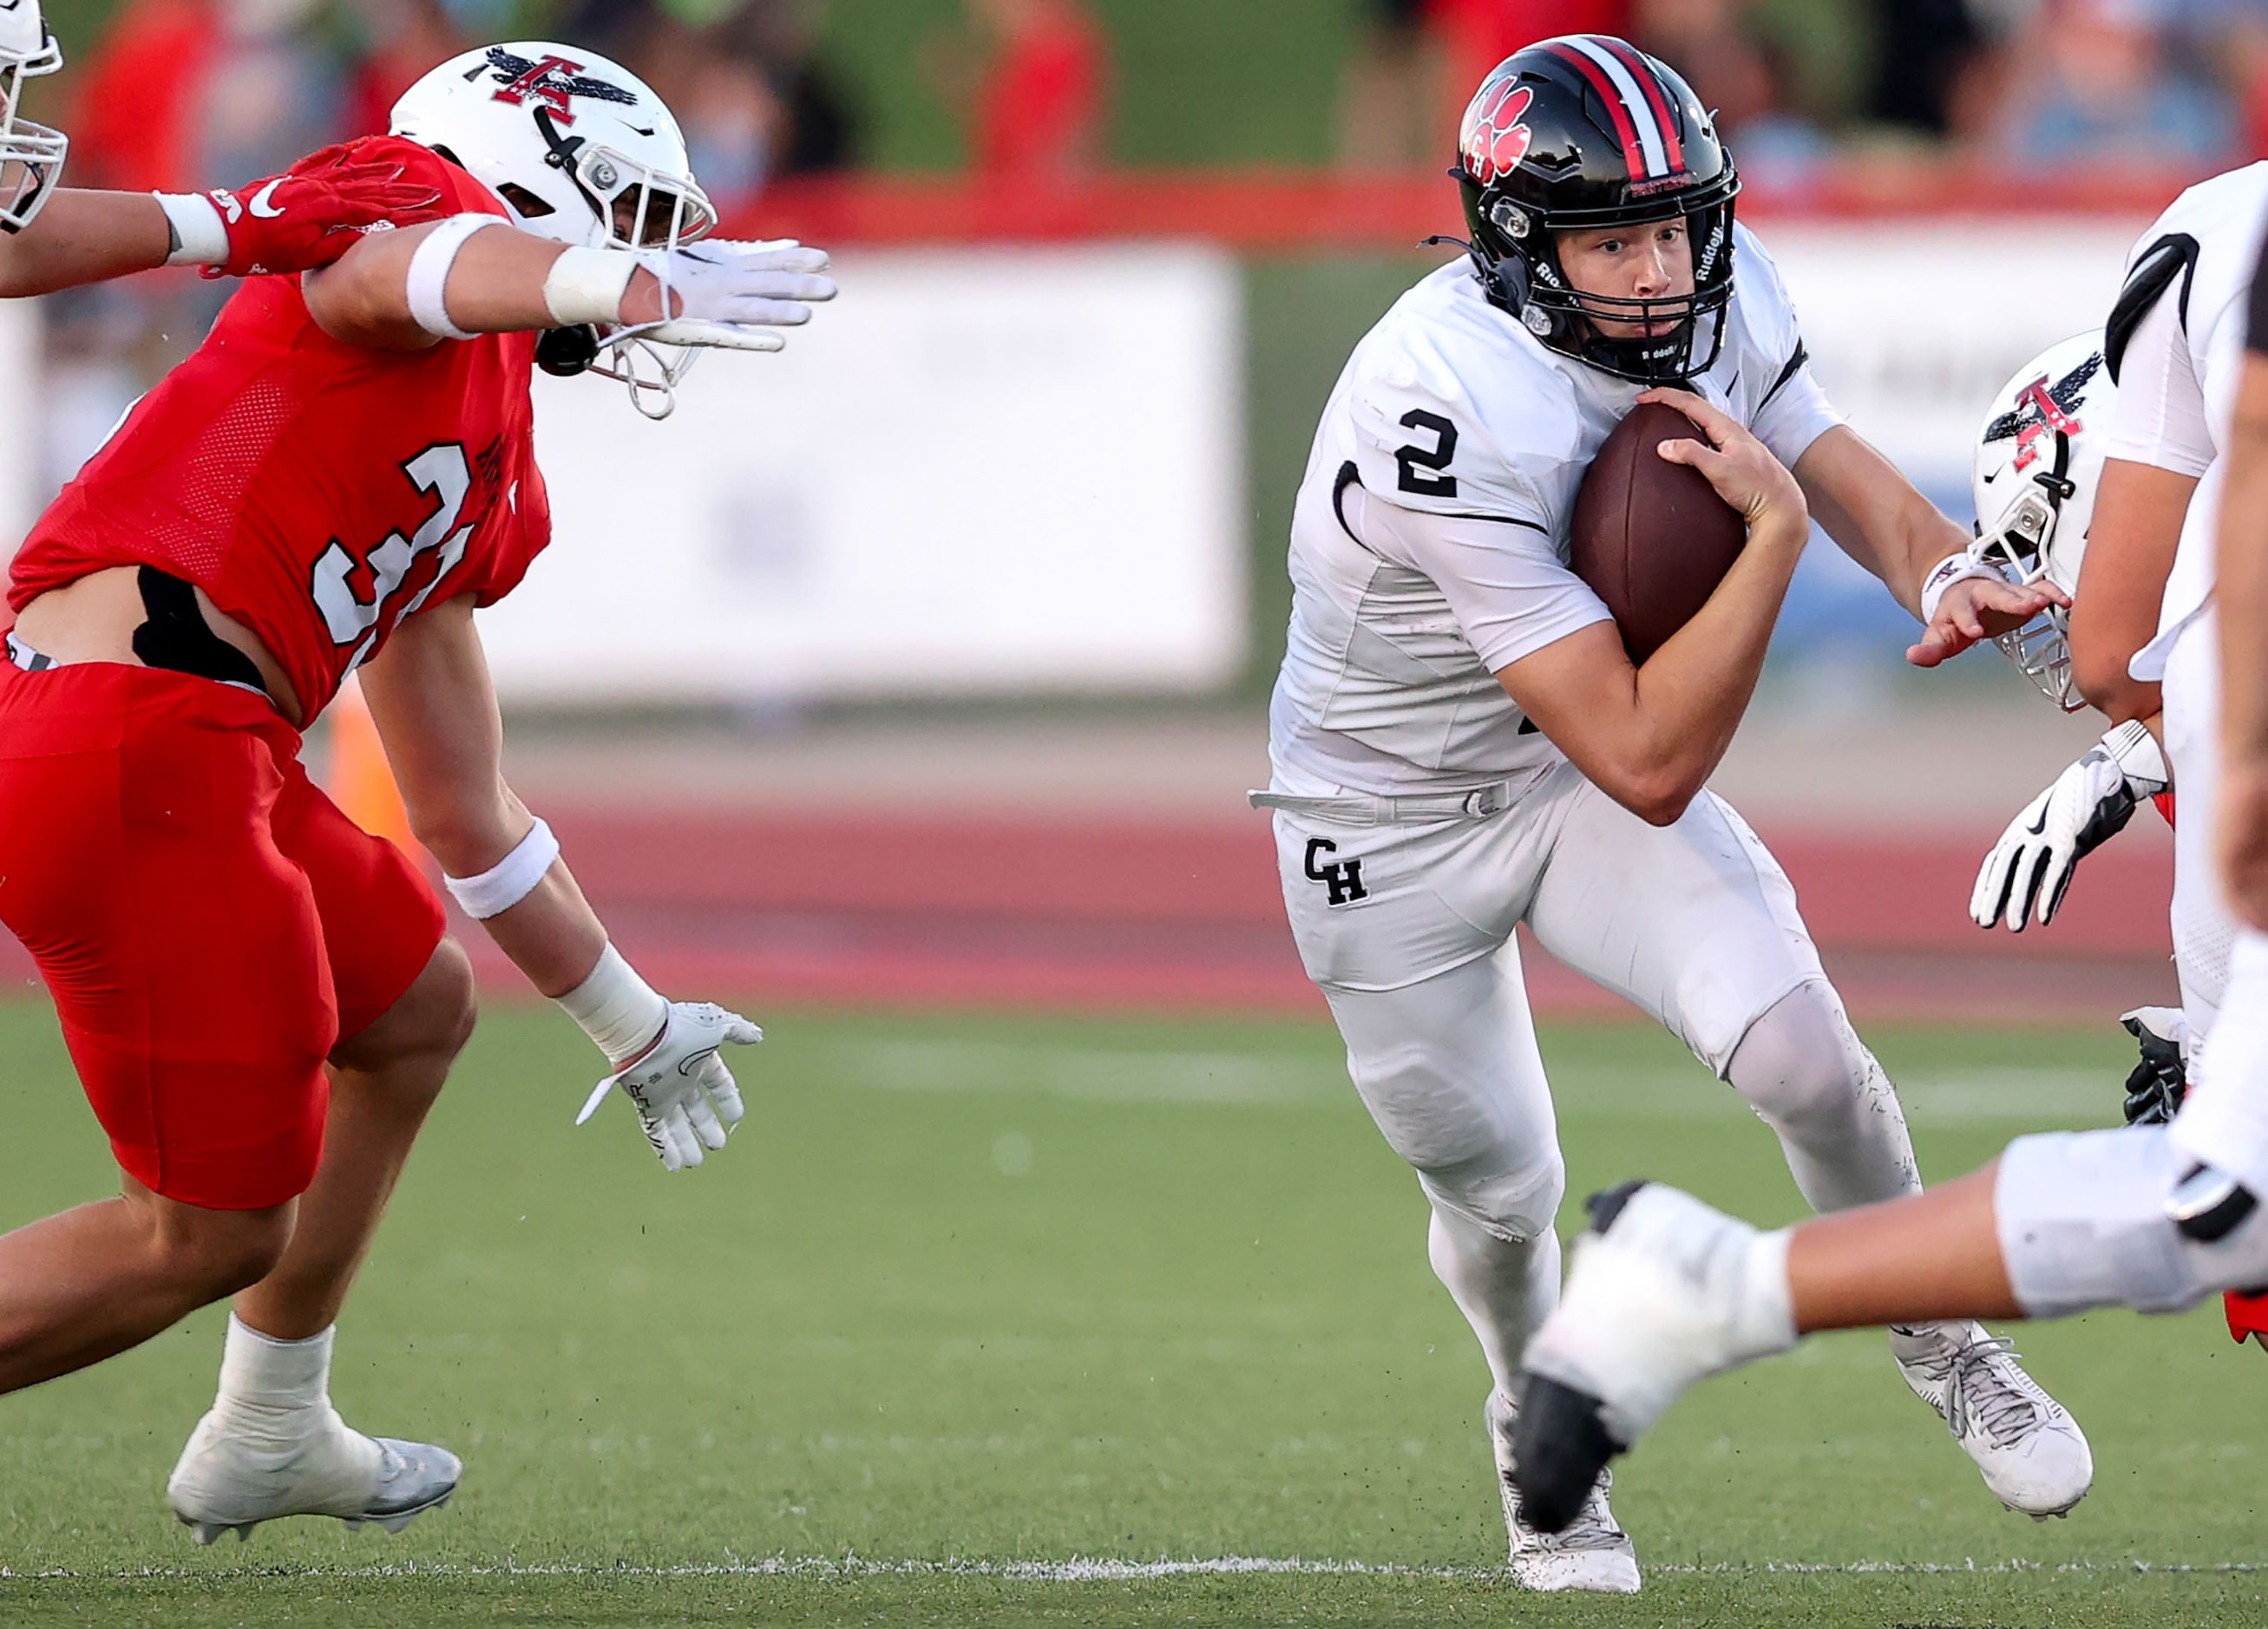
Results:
<point x="1461" y="742"/>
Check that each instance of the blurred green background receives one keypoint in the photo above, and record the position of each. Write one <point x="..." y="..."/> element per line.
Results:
<point x="1194" y="82"/>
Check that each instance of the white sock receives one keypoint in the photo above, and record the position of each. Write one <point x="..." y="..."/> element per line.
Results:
<point x="275" y="1387"/>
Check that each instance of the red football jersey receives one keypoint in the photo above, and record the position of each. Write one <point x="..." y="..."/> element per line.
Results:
<point x="318" y="492"/>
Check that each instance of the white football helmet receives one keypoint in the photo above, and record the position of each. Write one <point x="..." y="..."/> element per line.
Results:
<point x="581" y="150"/>
<point x="2039" y="457"/>
<point x="31" y="155"/>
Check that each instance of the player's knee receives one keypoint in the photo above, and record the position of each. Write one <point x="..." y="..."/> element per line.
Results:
<point x="429" y="1024"/>
<point x="1474" y="1153"/>
<point x="1510" y="1196"/>
<point x="1800" y="1067"/>
<point x="218" y="1252"/>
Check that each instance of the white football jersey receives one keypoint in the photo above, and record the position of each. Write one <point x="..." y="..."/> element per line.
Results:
<point x="2177" y="377"/>
<point x="1450" y="409"/>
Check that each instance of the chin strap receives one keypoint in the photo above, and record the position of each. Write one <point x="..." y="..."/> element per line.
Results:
<point x="646" y="367"/>
<point x="649" y="368"/>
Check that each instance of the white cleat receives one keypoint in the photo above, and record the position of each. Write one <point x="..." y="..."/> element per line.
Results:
<point x="2032" y="1453"/>
<point x="1664" y="1292"/>
<point x="1591" y="1552"/>
<point x="227" y="1482"/>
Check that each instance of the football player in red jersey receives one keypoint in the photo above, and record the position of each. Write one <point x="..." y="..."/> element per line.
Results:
<point x="259" y="998"/>
<point x="52" y="239"/>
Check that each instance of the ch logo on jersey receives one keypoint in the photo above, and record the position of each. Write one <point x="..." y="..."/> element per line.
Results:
<point x="1341" y="877"/>
<point x="1495" y="139"/>
<point x="552" y="80"/>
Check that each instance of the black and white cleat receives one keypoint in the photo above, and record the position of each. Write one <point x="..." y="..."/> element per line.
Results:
<point x="1559" y="1448"/>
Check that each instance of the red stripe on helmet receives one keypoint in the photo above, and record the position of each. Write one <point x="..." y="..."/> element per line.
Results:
<point x="1642" y="69"/>
<point x="1633" y="149"/>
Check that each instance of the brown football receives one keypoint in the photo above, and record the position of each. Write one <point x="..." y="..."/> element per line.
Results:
<point x="1652" y="539"/>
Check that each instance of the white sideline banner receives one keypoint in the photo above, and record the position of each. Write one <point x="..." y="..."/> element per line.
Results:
<point x="1913" y="325"/>
<point x="976" y="472"/>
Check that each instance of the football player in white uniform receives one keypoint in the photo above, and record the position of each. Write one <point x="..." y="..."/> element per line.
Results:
<point x="2040" y="468"/>
<point x="1461" y="744"/>
<point x="2155" y="1217"/>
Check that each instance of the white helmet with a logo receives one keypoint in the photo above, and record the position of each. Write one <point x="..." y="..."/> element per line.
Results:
<point x="2039" y="458"/>
<point x="579" y="148"/>
<point x="31" y="155"/>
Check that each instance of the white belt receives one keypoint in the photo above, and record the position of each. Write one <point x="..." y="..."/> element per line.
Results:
<point x="1361" y="809"/>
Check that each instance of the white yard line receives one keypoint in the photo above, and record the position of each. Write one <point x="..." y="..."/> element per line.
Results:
<point x="1080" y="1570"/>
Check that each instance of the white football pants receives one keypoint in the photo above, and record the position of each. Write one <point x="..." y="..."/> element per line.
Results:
<point x="2203" y="928"/>
<point x="2082" y="1215"/>
<point x="1695" y="923"/>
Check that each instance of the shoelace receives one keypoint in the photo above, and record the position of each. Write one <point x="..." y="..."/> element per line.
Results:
<point x="1978" y="1386"/>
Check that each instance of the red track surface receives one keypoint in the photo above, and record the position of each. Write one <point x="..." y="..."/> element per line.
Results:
<point x="1102" y="914"/>
<point x="1099" y="915"/>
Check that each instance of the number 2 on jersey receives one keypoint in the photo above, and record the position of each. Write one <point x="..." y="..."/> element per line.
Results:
<point x="1436" y="457"/>
<point x="440" y="470"/>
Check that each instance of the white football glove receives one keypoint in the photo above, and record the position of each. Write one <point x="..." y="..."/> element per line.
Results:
<point x="728" y="294"/>
<point x="2025" y="876"/>
<point x="686" y="1097"/>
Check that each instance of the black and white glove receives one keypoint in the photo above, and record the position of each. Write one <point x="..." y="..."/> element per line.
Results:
<point x="2025" y="876"/>
<point x="687" y="1099"/>
<point x="2159" y="1082"/>
<point x="663" y="1054"/>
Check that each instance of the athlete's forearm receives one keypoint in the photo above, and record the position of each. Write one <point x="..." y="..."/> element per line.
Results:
<point x="495" y="284"/>
<point x="1690" y="694"/>
<point x="81" y="238"/>
<point x="1649" y="737"/>
<point x="1876" y="515"/>
<point x="553" y="935"/>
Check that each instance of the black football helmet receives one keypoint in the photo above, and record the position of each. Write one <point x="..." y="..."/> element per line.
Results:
<point x="1586" y="131"/>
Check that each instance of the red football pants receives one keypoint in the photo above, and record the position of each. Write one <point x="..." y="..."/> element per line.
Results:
<point x="208" y="922"/>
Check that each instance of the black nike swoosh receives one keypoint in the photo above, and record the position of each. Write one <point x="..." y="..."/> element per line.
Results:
<point x="2038" y="825"/>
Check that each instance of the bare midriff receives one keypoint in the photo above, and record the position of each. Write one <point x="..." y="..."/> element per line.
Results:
<point x="93" y="620"/>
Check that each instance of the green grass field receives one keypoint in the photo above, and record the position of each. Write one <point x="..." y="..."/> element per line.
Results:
<point x="969" y="1298"/>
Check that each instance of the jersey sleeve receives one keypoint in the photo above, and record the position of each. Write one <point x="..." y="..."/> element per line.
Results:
<point x="529" y="529"/>
<point x="1793" y="411"/>
<point x="1420" y="443"/>
<point x="2159" y="418"/>
<point x="1511" y="593"/>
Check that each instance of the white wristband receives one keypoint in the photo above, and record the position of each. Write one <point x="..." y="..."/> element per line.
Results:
<point x="511" y="879"/>
<point x="587" y="285"/>
<point x="617" y="1009"/>
<point x="201" y="235"/>
<point x="429" y="274"/>
<point x="1954" y="568"/>
<point x="2136" y="752"/>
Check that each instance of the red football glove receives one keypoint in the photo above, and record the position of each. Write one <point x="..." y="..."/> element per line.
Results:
<point x="2248" y="1316"/>
<point x="315" y="212"/>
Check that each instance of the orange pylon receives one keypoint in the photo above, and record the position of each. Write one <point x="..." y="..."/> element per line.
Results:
<point x="360" y="780"/>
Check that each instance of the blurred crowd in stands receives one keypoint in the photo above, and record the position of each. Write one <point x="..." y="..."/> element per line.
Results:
<point x="178" y="94"/>
<point x="2037" y="86"/>
<point x="172" y="93"/>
